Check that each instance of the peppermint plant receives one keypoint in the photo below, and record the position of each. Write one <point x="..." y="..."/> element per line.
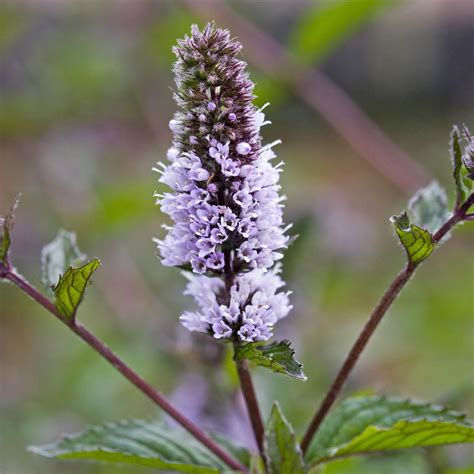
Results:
<point x="228" y="236"/>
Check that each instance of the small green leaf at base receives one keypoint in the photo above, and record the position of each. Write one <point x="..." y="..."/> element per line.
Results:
<point x="6" y="227"/>
<point x="418" y="242"/>
<point x="71" y="288"/>
<point x="277" y="356"/>
<point x="281" y="450"/>
<point x="62" y="252"/>
<point x="139" y="443"/>
<point x="368" y="424"/>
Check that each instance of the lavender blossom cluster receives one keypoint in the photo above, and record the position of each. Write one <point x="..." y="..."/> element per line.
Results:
<point x="254" y="306"/>
<point x="225" y="204"/>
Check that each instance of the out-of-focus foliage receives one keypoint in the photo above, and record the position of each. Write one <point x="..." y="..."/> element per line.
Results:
<point x="329" y="22"/>
<point x="429" y="207"/>
<point x="57" y="256"/>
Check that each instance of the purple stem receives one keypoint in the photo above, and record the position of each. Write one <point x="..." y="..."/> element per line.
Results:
<point x="127" y="372"/>
<point x="371" y="325"/>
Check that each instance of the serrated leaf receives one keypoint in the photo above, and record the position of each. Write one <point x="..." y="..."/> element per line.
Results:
<point x="6" y="226"/>
<point x="62" y="252"/>
<point x="277" y="356"/>
<point x="407" y="434"/>
<point x="429" y="207"/>
<point x="139" y="443"/>
<point x="71" y="287"/>
<point x="416" y="241"/>
<point x="329" y="23"/>
<point x="462" y="183"/>
<point x="368" y="424"/>
<point x="282" y="452"/>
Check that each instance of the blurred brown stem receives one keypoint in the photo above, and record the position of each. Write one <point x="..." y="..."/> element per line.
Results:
<point x="377" y="314"/>
<point x="8" y="273"/>
<point x="321" y="94"/>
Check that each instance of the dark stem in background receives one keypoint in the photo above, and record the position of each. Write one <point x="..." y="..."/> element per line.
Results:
<point x="369" y="328"/>
<point x="100" y="347"/>
<point x="320" y="93"/>
<point x="378" y="313"/>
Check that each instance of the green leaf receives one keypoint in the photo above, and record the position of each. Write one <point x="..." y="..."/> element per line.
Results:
<point x="282" y="452"/>
<point x="6" y="227"/>
<point x="139" y="443"/>
<point x="277" y="356"/>
<point x="406" y="463"/>
<point x="468" y="155"/>
<point x="429" y="207"/>
<point x="367" y="424"/>
<point x="463" y="185"/>
<point x="329" y="23"/>
<point x="463" y="164"/>
<point x="62" y="252"/>
<point x="418" y="242"/>
<point x="71" y="288"/>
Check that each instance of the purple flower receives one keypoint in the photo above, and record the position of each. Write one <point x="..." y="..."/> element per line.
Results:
<point x="215" y="261"/>
<point x="225" y="204"/>
<point x="243" y="148"/>
<point x="218" y="235"/>
<point x="255" y="305"/>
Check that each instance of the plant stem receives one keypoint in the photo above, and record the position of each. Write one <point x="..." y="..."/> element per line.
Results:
<point x="251" y="401"/>
<point x="369" y="328"/>
<point x="243" y="370"/>
<point x="371" y="325"/>
<point x="124" y="369"/>
<point x="459" y="215"/>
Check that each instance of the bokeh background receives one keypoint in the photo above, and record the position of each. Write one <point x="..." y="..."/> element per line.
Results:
<point x="85" y="103"/>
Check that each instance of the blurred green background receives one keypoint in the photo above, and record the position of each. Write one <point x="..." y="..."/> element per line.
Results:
<point x="85" y="103"/>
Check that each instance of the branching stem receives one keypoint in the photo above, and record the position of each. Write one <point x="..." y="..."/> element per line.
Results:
<point x="99" y="346"/>
<point x="371" y="325"/>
